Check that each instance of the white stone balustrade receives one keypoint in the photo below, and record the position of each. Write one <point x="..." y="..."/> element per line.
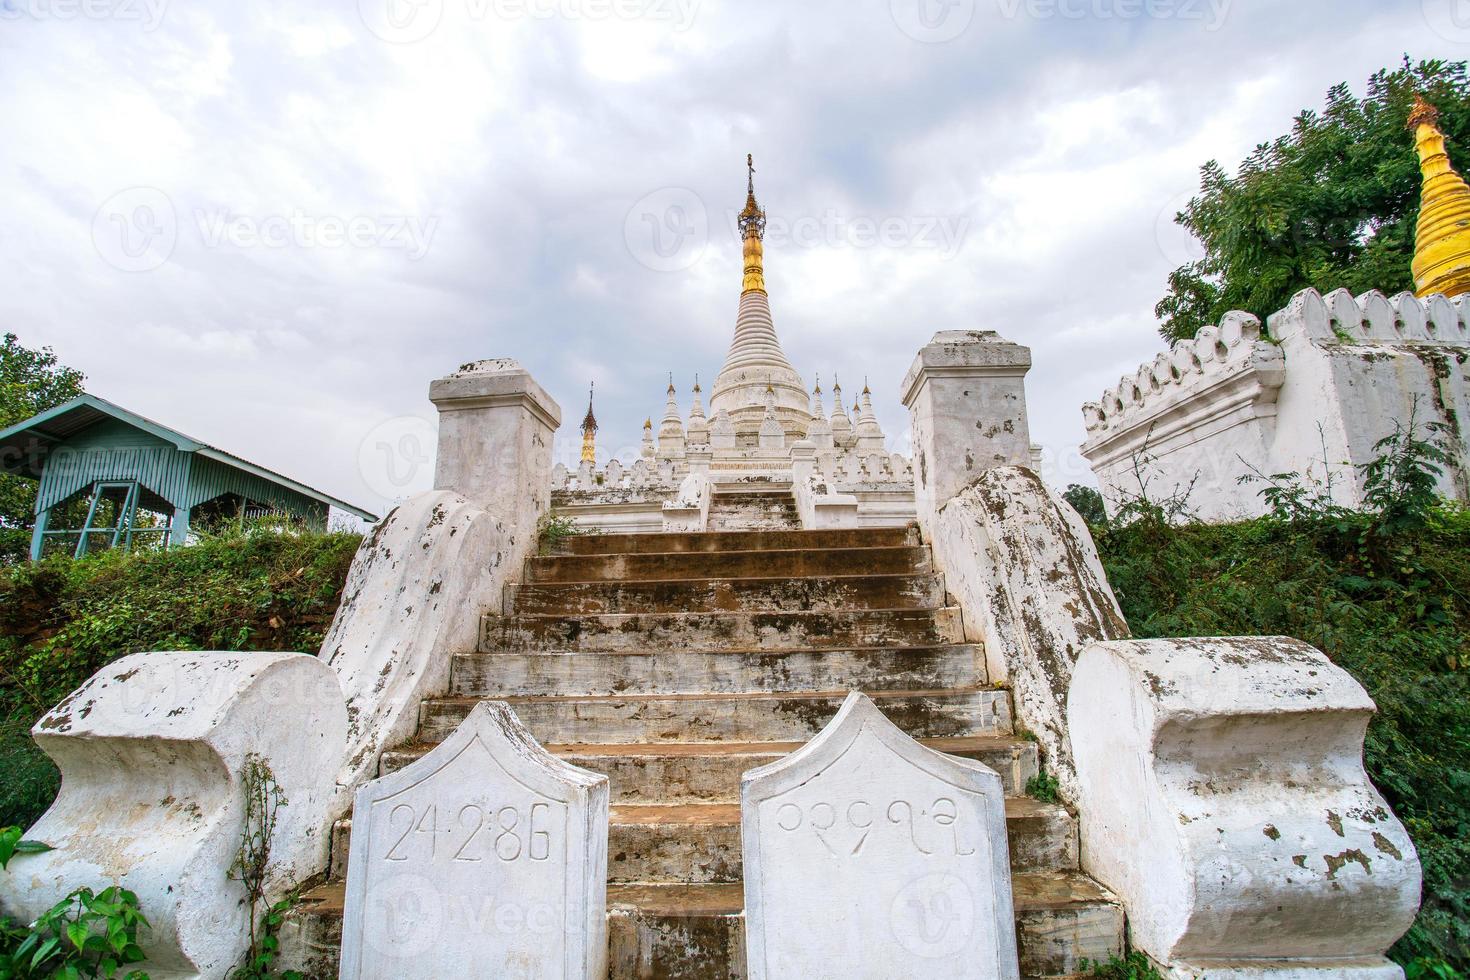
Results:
<point x="1222" y="796"/>
<point x="152" y="751"/>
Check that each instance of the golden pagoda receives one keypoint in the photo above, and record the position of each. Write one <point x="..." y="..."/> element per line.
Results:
<point x="589" y="431"/>
<point x="1442" y="246"/>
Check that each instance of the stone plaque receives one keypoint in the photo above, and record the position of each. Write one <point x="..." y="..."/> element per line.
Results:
<point x="487" y="857"/>
<point x="870" y="856"/>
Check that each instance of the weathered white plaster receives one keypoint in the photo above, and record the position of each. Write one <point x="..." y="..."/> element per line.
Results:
<point x="1228" y="404"/>
<point x="488" y="856"/>
<point x="495" y="438"/>
<point x="411" y="601"/>
<point x="689" y="511"/>
<point x="1223" y="798"/>
<point x="966" y="396"/>
<point x="151" y="750"/>
<point x="870" y="857"/>
<point x="1027" y="577"/>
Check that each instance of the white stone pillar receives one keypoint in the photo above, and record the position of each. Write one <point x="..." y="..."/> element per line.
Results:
<point x="966" y="395"/>
<point x="495" y="430"/>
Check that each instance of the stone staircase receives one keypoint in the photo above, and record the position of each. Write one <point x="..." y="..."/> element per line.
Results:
<point x="673" y="663"/>
<point x="753" y="509"/>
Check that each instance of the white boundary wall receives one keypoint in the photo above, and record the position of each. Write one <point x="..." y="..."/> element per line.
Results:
<point x="1336" y="375"/>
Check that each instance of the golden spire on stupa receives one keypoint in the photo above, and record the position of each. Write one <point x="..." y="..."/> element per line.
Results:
<point x="1442" y="245"/>
<point x="753" y="230"/>
<point x="589" y="430"/>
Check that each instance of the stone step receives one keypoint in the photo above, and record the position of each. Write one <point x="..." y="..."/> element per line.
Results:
<point x="697" y="932"/>
<point x="762" y="717"/>
<point x="831" y="593"/>
<point x="792" y="562"/>
<point x="710" y="773"/>
<point x="626" y="544"/>
<point x="495" y="675"/>
<point x="699" y="843"/>
<point x="711" y="632"/>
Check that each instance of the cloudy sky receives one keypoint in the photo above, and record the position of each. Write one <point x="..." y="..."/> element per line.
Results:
<point x="270" y="225"/>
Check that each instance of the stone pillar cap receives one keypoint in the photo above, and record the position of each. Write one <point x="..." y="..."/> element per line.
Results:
<point x="497" y="381"/>
<point x="964" y="353"/>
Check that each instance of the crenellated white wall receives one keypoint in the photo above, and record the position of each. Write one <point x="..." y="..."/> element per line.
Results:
<point x="1335" y="376"/>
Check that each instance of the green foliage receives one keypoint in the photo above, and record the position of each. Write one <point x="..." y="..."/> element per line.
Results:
<point x="86" y="934"/>
<point x="553" y="530"/>
<point x="12" y="843"/>
<point x="1425" y="968"/>
<point x="31" y="381"/>
<point x="253" y="587"/>
<point x="1386" y="594"/>
<point x="1134" y="966"/>
<point x="1333" y="203"/>
<point x="1087" y="502"/>
<point x="1044" y="787"/>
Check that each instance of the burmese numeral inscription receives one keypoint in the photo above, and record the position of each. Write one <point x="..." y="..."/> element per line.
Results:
<point x="473" y="833"/>
<point x="844" y="828"/>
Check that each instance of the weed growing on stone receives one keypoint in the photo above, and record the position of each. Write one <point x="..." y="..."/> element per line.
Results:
<point x="263" y="801"/>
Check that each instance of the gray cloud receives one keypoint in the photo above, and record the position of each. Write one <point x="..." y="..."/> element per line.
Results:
<point x="1053" y="142"/>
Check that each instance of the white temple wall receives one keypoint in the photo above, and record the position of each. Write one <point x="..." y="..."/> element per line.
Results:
<point x="1336" y="377"/>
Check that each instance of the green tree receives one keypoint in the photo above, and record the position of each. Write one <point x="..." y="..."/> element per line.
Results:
<point x="1332" y="204"/>
<point x="31" y="381"/>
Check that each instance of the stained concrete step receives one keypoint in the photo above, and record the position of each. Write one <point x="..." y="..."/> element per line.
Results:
<point x="699" y="843"/>
<point x="757" y="717"/>
<point x="697" y="932"/>
<point x="626" y="544"/>
<point x="564" y="674"/>
<point x="709" y="632"/>
<point x="791" y="562"/>
<point x="710" y="773"/>
<point x="830" y="593"/>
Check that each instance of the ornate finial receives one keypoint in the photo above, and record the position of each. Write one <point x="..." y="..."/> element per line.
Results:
<point x="865" y="385"/>
<point x="1423" y="113"/>
<point x="589" y="429"/>
<point x="671" y="382"/>
<point x="818" y="389"/>
<point x="648" y="422"/>
<point x="697" y="389"/>
<point x="753" y="230"/>
<point x="1442" y="240"/>
<point x="589" y="424"/>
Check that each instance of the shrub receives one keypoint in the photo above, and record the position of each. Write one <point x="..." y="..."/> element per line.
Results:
<point x="251" y="587"/>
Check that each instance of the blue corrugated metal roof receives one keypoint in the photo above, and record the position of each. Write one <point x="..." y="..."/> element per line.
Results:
<point x="58" y="424"/>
